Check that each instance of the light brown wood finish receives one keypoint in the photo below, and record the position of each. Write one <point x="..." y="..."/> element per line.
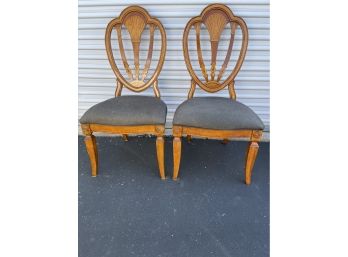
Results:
<point x="160" y="155"/>
<point x="253" y="135"/>
<point x="156" y="89"/>
<point x="215" y="17"/>
<point x="134" y="19"/>
<point x="149" y="54"/>
<point x="118" y="90"/>
<point x="253" y="148"/>
<point x="176" y="156"/>
<point x="231" y="91"/>
<point x="123" y="54"/>
<point x="192" y="90"/>
<point x="229" y="51"/>
<point x="199" y="51"/>
<point x="91" y="146"/>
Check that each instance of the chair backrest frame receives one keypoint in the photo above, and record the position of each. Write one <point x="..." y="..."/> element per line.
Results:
<point x="135" y="19"/>
<point x="215" y="17"/>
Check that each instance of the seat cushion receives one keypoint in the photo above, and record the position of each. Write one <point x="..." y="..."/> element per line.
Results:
<point x="216" y="113"/>
<point x="127" y="110"/>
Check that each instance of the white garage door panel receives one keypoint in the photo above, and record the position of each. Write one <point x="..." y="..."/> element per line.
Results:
<point x="97" y="81"/>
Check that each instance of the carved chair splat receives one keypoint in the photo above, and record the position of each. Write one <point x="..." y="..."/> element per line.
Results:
<point x="99" y="118"/>
<point x="215" y="18"/>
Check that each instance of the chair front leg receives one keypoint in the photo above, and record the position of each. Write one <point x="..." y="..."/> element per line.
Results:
<point x="253" y="148"/>
<point x="177" y="133"/>
<point x="160" y="156"/>
<point x="91" y="147"/>
<point x="176" y="156"/>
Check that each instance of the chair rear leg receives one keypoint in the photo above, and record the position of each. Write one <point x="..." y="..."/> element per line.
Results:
<point x="176" y="156"/>
<point x="189" y="138"/>
<point x="160" y="156"/>
<point x="250" y="160"/>
<point x="125" y="137"/>
<point x="225" y="141"/>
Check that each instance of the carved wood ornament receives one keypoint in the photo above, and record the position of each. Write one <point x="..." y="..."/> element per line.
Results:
<point x="215" y="17"/>
<point x="135" y="19"/>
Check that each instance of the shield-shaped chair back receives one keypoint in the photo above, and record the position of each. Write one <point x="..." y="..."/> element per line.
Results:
<point x="215" y="18"/>
<point x="134" y="19"/>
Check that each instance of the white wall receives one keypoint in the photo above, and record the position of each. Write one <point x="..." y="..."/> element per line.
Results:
<point x="97" y="81"/>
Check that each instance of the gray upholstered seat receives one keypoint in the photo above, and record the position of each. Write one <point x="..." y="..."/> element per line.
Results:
<point x="127" y="110"/>
<point x="216" y="113"/>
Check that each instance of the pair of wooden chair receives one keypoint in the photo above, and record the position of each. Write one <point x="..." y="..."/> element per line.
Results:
<point x="209" y="117"/>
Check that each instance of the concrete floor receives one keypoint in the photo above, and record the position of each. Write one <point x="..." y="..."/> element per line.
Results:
<point x="128" y="211"/>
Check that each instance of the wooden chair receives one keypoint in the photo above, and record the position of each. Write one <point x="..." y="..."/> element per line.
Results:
<point x="131" y="114"/>
<point x="216" y="117"/>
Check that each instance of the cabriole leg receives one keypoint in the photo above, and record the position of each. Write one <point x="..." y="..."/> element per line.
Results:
<point x="176" y="156"/>
<point x="250" y="160"/>
<point x="160" y="156"/>
<point x="91" y="147"/>
<point x="92" y="151"/>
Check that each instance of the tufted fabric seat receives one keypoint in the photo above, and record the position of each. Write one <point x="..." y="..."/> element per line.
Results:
<point x="128" y="110"/>
<point x="216" y="113"/>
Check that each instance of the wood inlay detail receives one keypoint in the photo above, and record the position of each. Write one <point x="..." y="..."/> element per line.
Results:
<point x="215" y="17"/>
<point x="135" y="19"/>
